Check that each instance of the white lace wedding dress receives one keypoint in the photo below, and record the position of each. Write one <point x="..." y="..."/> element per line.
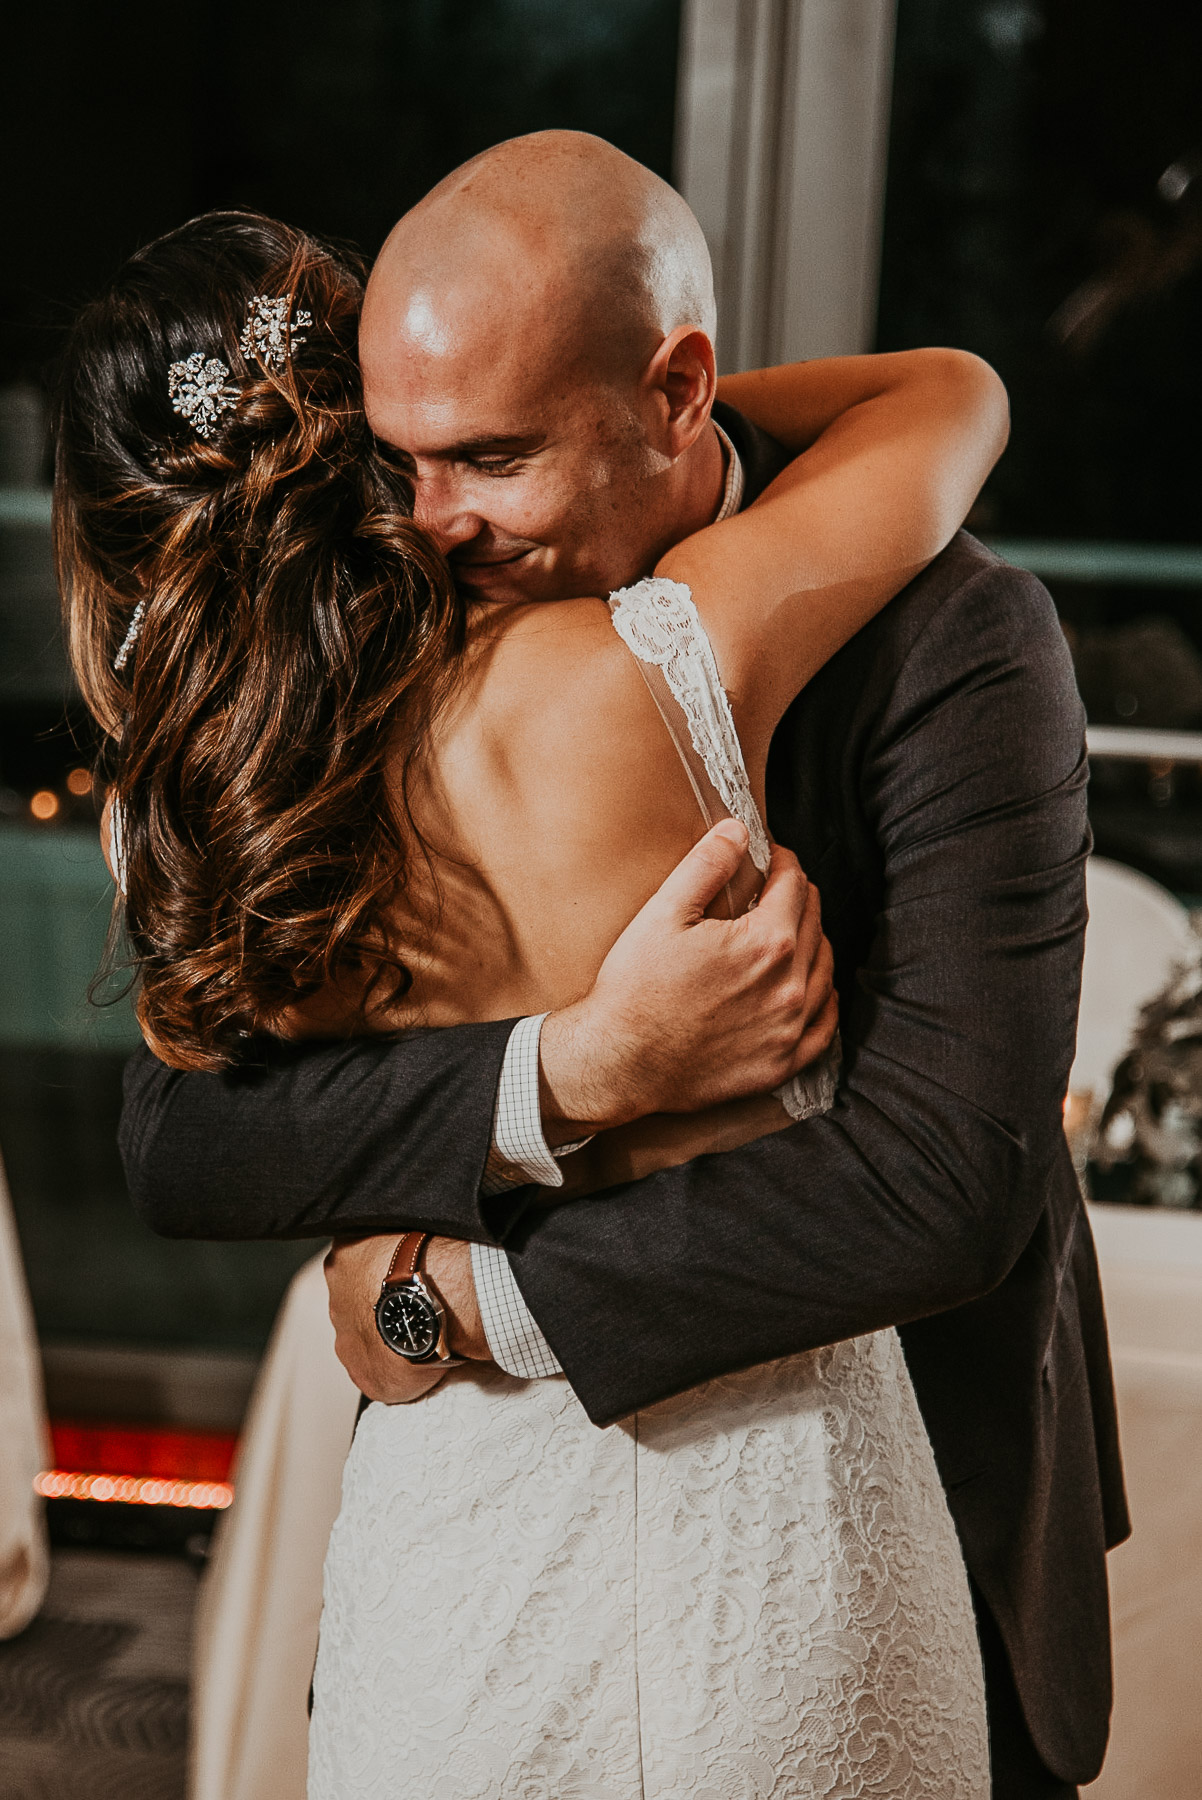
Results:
<point x="752" y="1590"/>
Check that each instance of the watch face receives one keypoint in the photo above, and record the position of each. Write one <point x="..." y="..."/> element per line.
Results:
<point x="408" y="1322"/>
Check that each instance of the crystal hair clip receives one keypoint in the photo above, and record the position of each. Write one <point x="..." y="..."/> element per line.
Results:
<point x="200" y="391"/>
<point x="269" y="334"/>
<point x="131" y="637"/>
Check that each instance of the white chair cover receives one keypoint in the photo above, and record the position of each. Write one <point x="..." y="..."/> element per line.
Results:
<point x="1137" y="934"/>
<point x="260" y="1603"/>
<point x="24" y="1440"/>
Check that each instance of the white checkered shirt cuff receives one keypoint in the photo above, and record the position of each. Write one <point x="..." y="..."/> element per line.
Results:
<point x="519" y="1151"/>
<point x="517" y="1344"/>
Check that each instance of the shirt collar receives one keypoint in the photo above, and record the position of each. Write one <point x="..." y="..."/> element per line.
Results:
<point x="732" y="493"/>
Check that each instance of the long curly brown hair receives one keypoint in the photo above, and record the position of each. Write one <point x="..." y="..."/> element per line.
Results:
<point x="298" y="630"/>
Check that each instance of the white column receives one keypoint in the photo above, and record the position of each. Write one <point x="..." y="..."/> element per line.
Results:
<point x="783" y="114"/>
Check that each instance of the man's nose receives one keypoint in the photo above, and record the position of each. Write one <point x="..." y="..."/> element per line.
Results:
<point x="440" y="509"/>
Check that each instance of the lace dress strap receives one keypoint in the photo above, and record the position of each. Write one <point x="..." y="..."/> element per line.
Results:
<point x="659" y="624"/>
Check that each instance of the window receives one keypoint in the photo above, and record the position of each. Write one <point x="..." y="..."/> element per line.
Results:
<point x="1044" y="208"/>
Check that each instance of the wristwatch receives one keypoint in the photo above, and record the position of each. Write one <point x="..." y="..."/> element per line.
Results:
<point x="409" y="1315"/>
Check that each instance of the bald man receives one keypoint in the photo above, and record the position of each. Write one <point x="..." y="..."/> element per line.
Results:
<point x="579" y="283"/>
<point x="536" y="346"/>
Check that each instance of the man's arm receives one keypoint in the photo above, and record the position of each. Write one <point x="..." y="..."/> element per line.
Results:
<point x="920" y="1190"/>
<point x="371" y="1135"/>
<point x="387" y="1134"/>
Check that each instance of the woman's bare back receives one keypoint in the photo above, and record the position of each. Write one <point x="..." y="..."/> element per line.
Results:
<point x="553" y="803"/>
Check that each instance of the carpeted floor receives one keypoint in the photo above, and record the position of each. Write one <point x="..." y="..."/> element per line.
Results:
<point x="94" y="1695"/>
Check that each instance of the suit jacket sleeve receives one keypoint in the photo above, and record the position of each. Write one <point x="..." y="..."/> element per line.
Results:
<point x="370" y="1135"/>
<point x="921" y="1188"/>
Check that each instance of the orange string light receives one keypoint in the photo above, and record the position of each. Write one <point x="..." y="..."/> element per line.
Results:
<point x="135" y="1490"/>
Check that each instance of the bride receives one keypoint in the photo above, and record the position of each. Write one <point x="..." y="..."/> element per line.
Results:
<point x="345" y="799"/>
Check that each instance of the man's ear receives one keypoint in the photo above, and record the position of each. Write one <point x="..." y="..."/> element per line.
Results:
<point x="681" y="380"/>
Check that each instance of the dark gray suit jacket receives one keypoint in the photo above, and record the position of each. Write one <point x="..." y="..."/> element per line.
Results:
<point x="932" y="780"/>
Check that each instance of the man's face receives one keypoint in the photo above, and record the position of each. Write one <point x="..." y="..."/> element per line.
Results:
<point x="532" y="472"/>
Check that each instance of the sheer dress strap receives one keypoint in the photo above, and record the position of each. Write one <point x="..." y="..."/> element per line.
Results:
<point x="659" y="624"/>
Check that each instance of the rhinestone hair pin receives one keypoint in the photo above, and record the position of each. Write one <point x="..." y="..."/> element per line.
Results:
<point x="200" y="391"/>
<point x="131" y="637"/>
<point x="269" y="333"/>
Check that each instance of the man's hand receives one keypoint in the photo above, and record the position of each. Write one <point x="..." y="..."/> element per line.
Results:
<point x="355" y="1268"/>
<point x="688" y="1011"/>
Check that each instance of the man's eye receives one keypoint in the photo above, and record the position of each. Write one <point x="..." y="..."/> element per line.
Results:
<point x="497" y="465"/>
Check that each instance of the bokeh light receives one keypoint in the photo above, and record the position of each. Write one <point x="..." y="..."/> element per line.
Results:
<point x="133" y="1490"/>
<point x="44" y="804"/>
<point x="79" y="782"/>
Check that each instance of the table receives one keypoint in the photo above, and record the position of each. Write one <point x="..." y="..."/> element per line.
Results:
<point x="1152" y="1280"/>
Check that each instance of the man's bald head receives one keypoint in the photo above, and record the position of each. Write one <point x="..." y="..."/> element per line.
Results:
<point x="558" y="233"/>
<point x="545" y="316"/>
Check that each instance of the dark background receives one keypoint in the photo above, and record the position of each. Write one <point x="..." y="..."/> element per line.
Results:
<point x="121" y="121"/>
<point x="1027" y="146"/>
<point x="1044" y="208"/>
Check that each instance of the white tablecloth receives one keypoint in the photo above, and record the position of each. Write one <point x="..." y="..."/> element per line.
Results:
<point x="1152" y="1279"/>
<point x="260" y="1604"/>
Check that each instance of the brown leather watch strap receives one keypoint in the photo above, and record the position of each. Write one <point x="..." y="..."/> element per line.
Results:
<point x="405" y="1258"/>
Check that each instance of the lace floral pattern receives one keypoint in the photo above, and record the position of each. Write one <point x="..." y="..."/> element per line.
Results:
<point x="658" y="623"/>
<point x="812" y="1090"/>
<point x="751" y="1592"/>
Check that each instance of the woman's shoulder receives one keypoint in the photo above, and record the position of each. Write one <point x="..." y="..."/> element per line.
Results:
<point x="535" y="660"/>
<point x="554" y="705"/>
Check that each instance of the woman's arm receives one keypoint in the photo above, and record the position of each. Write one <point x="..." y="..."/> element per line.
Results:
<point x="796" y="402"/>
<point x="899" y="447"/>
